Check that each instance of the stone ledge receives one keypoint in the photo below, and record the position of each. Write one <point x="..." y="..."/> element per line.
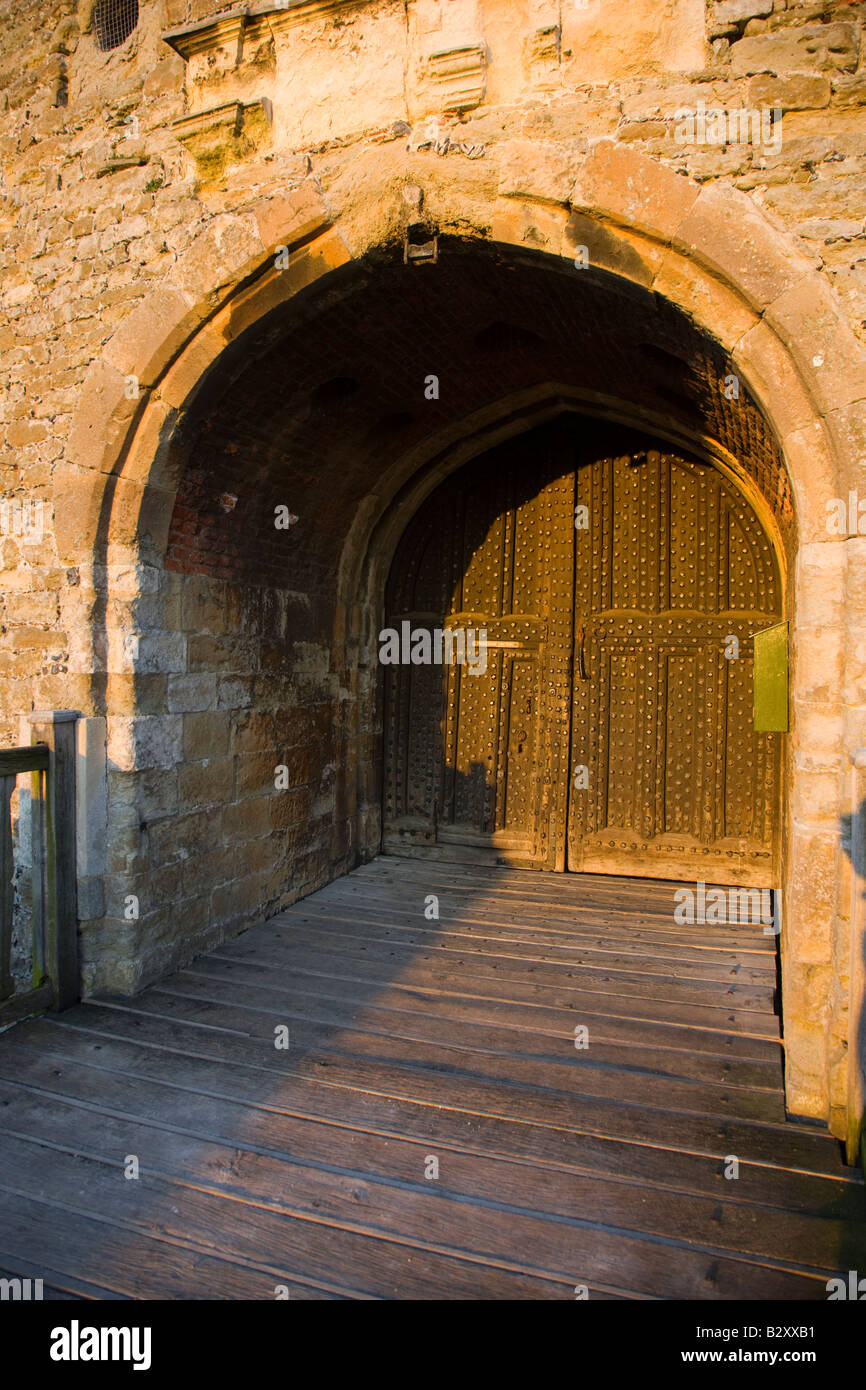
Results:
<point x="225" y="133"/>
<point x="216" y="31"/>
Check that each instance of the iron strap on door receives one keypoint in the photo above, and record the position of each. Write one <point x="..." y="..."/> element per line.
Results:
<point x="581" y="654"/>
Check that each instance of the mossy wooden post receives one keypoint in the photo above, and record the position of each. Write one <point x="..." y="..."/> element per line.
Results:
<point x="857" y="975"/>
<point x="55" y="896"/>
<point x="13" y="761"/>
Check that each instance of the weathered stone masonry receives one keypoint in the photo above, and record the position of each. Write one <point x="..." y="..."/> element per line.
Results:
<point x="167" y="382"/>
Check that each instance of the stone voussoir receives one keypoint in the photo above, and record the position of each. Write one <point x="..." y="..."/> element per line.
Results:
<point x="725" y="231"/>
<point x="627" y="186"/>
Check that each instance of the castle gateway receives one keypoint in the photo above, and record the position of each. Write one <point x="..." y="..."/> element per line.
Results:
<point x="333" y="318"/>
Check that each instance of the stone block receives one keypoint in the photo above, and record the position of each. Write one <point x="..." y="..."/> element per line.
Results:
<point x="129" y="693"/>
<point x="818" y="663"/>
<point x="306" y="264"/>
<point x="530" y="169"/>
<point x="613" y="249"/>
<point x="854" y="687"/>
<point x="187" y="693"/>
<point x="241" y="900"/>
<point x="849" y="91"/>
<point x="247" y="819"/>
<point x="531" y="225"/>
<point x="203" y="872"/>
<point x="224" y="253"/>
<point x="812" y="48"/>
<point x="255" y="731"/>
<point x="820" y="586"/>
<point x="176" y="839"/>
<point x="847" y="428"/>
<point x="152" y="334"/>
<point x="206" y="735"/>
<point x="801" y="92"/>
<point x="155" y="456"/>
<point x="160" y="653"/>
<point x="186" y="375"/>
<point x="738" y="11"/>
<point x="813" y="472"/>
<point x="107" y="407"/>
<point x="268" y="854"/>
<point x="207" y="783"/>
<point x="131" y="581"/>
<point x="805" y="1087"/>
<point x="633" y="189"/>
<point x="144" y="741"/>
<point x="147" y="794"/>
<point x="808" y="318"/>
<point x="286" y="219"/>
<point x="290" y="808"/>
<point x="256" y="772"/>
<point x="27" y="608"/>
<point x="816" y="797"/>
<point x="224" y="654"/>
<point x="761" y="360"/>
<point x="162" y="889"/>
<point x="234" y="693"/>
<point x="729" y="234"/>
<point x="599" y="47"/>
<point x="856" y="576"/>
<point x="120" y="889"/>
<point x="822" y="730"/>
<point x="716" y="307"/>
<point x="204" y="606"/>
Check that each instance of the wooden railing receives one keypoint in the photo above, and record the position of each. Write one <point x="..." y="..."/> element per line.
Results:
<point x="50" y="759"/>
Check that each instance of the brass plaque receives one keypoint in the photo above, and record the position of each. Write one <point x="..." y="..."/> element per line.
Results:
<point x="771" y="679"/>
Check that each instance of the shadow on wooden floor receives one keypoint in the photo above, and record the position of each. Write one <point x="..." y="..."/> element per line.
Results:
<point x="431" y="1130"/>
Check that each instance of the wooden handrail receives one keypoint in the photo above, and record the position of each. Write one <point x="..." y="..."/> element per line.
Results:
<point x="33" y="758"/>
<point x="50" y="759"/>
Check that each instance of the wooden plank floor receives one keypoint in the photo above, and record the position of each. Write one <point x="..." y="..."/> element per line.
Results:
<point x="419" y="1045"/>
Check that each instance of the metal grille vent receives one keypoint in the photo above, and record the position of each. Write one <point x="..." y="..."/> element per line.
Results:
<point x="113" y="22"/>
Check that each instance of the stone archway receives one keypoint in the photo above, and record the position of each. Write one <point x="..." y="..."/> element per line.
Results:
<point x="711" y="253"/>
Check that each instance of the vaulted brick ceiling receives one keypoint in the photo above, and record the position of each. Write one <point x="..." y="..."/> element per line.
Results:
<point x="310" y="408"/>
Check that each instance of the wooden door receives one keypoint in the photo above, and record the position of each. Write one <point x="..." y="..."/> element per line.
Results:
<point x="612" y="730"/>
<point x="673" y="576"/>
<point x="476" y="762"/>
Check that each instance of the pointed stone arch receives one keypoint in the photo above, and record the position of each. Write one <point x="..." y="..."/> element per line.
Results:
<point x="710" y="251"/>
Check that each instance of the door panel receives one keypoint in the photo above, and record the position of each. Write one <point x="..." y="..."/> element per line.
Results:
<point x="479" y="768"/>
<point x="674" y="566"/>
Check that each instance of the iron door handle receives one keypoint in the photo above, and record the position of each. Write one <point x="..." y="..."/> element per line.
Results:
<point x="581" y="658"/>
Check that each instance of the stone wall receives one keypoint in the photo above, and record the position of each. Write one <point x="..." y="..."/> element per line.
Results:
<point x="155" y="169"/>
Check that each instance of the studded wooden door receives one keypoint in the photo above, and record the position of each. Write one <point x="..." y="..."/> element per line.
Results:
<point x="612" y="729"/>
<point x="476" y="760"/>
<point x="673" y="576"/>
